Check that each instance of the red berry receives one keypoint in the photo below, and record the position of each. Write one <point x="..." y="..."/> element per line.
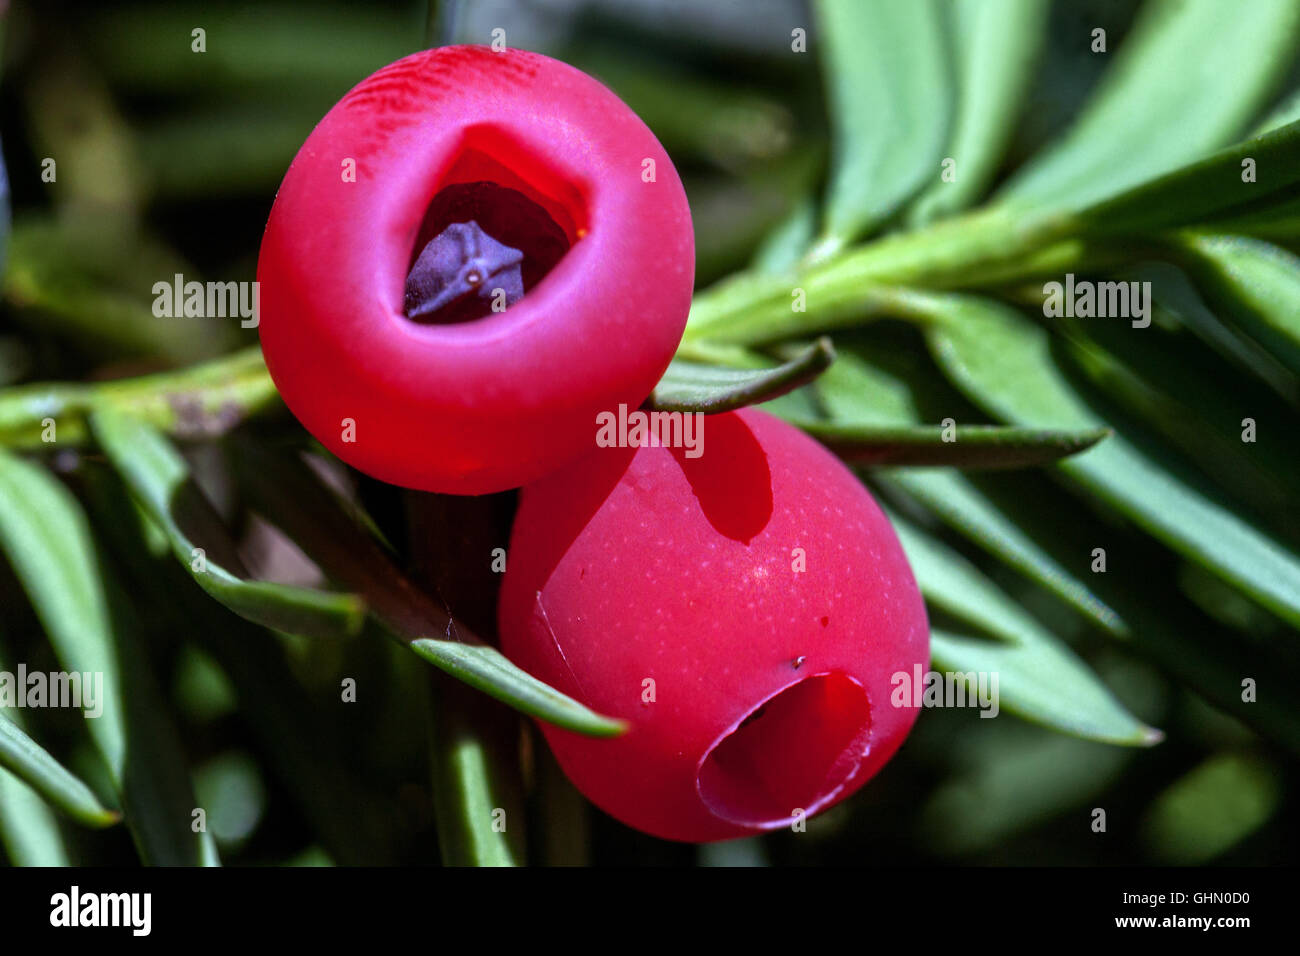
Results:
<point x="516" y="173"/>
<point x="665" y="590"/>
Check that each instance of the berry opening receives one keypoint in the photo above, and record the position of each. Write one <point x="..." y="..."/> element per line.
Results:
<point x="497" y="225"/>
<point x="795" y="751"/>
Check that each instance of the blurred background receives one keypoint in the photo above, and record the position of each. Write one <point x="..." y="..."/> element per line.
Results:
<point x="168" y="161"/>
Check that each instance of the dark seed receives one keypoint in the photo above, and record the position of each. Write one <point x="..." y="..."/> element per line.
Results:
<point x="462" y="263"/>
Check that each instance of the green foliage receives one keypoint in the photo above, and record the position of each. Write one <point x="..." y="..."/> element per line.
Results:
<point x="160" y="480"/>
<point x="477" y="783"/>
<point x="27" y="760"/>
<point x="711" y="389"/>
<point x="1039" y="677"/>
<point x="1138" y="124"/>
<point x="998" y="46"/>
<point x="44" y="532"/>
<point x="887" y="78"/>
<point x="1005" y="364"/>
<point x="823" y="204"/>
<point x="287" y="490"/>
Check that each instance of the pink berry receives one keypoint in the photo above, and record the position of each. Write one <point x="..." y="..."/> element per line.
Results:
<point x="449" y="184"/>
<point x="744" y="611"/>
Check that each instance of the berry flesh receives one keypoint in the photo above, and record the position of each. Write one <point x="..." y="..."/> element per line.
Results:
<point x="472" y="255"/>
<point x="744" y="611"/>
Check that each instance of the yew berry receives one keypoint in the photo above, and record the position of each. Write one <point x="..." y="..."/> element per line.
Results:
<point x="473" y="254"/>
<point x="744" y="611"/>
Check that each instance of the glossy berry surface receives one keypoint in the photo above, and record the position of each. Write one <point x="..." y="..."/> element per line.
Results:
<point x="472" y="255"/>
<point x="744" y="611"/>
